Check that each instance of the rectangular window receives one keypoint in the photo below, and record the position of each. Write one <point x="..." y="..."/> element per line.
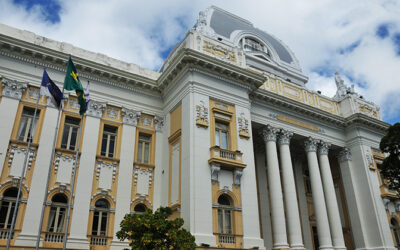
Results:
<point x="222" y="135"/>
<point x="70" y="133"/>
<point x="108" y="141"/>
<point x="27" y="126"/>
<point x="144" y="147"/>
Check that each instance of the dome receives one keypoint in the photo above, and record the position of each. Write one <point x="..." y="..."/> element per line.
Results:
<point x="239" y="32"/>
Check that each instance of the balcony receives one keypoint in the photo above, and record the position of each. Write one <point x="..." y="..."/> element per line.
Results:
<point x="99" y="240"/>
<point x="54" y="237"/>
<point x="226" y="158"/>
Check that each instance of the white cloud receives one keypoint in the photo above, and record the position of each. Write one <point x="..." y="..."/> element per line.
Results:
<point x="138" y="32"/>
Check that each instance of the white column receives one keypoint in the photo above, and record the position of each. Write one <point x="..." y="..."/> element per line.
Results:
<point x="289" y="189"/>
<point x="35" y="202"/>
<point x="275" y="189"/>
<point x="324" y="235"/>
<point x="125" y="175"/>
<point x="330" y="197"/>
<point x="80" y="215"/>
<point x="12" y="93"/>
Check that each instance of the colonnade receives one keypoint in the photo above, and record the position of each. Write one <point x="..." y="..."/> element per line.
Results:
<point x="285" y="217"/>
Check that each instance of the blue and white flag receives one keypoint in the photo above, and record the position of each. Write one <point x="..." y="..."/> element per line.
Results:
<point x="50" y="89"/>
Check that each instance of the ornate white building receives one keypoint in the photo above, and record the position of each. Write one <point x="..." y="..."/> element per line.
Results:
<point x="226" y="133"/>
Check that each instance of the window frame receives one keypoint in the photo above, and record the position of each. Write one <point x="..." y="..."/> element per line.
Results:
<point x="69" y="136"/>
<point x="10" y="208"/>
<point x="218" y="131"/>
<point x="108" y="141"/>
<point x="100" y="212"/>
<point x="28" y="134"/>
<point x="58" y="206"/>
<point x="141" y="147"/>
<point x="223" y="210"/>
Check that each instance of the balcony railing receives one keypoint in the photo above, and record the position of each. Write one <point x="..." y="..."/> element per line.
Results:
<point x="4" y="234"/>
<point x="226" y="157"/>
<point x="226" y="239"/>
<point x="98" y="240"/>
<point x="54" y="237"/>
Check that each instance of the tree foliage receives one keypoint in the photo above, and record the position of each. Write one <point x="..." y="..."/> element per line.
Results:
<point x="154" y="231"/>
<point x="390" y="168"/>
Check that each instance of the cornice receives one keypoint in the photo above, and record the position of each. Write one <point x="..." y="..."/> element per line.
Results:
<point x="279" y="101"/>
<point x="57" y="60"/>
<point x="188" y="59"/>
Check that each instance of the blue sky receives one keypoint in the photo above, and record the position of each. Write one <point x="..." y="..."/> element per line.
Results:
<point x="360" y="39"/>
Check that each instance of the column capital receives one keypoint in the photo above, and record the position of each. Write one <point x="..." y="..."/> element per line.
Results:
<point x="323" y="147"/>
<point x="311" y="144"/>
<point x="269" y="133"/>
<point x="96" y="109"/>
<point x="13" y="88"/>
<point x="345" y="155"/>
<point x="284" y="137"/>
<point x="130" y="116"/>
<point x="214" y="172"/>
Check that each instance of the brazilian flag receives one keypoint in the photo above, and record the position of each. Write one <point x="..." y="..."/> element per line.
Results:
<point x="72" y="82"/>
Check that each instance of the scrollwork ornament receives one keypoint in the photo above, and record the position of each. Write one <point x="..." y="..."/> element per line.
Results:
<point x="214" y="172"/>
<point x="96" y="109"/>
<point x="158" y="122"/>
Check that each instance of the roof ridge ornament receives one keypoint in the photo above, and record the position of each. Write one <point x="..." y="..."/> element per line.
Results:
<point x="342" y="89"/>
<point x="202" y="23"/>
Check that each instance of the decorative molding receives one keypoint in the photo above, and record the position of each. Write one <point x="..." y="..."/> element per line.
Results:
<point x="136" y="175"/>
<point x="237" y="174"/>
<point x="214" y="172"/>
<point x="96" y="109"/>
<point x="243" y="125"/>
<point x="13" y="88"/>
<point x="130" y="116"/>
<point x="284" y="137"/>
<point x="73" y="103"/>
<point x="297" y="123"/>
<point x="269" y="133"/>
<point x="33" y="93"/>
<point x="311" y="144"/>
<point x="370" y="159"/>
<point x="113" y="113"/>
<point x="14" y="182"/>
<point x="345" y="155"/>
<point x="102" y="164"/>
<point x="15" y="149"/>
<point x="62" y="188"/>
<point x="141" y="199"/>
<point x="60" y="156"/>
<point x="202" y="115"/>
<point x="103" y="194"/>
<point x="323" y="148"/>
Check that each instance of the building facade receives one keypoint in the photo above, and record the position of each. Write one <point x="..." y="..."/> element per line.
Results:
<point x="226" y="133"/>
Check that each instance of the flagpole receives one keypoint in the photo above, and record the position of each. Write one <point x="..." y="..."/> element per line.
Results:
<point x="30" y="138"/>
<point x="72" y="186"/>
<point x="49" y="172"/>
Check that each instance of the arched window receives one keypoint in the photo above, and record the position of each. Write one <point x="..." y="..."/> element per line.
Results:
<point x="396" y="230"/>
<point x="140" y="208"/>
<point x="57" y="213"/>
<point x="225" y="214"/>
<point x="7" y="207"/>
<point x="100" y="217"/>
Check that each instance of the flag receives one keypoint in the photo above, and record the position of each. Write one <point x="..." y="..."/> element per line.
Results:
<point x="87" y="96"/>
<point x="72" y="82"/>
<point x="50" y="89"/>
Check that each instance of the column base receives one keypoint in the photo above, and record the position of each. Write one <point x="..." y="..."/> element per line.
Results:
<point x="27" y="240"/>
<point x="326" y="247"/>
<point x="378" y="248"/>
<point x="297" y="246"/>
<point x="280" y="246"/>
<point x="208" y="239"/>
<point x="119" y="245"/>
<point x="339" y="247"/>
<point x="249" y="242"/>
<point x="78" y="243"/>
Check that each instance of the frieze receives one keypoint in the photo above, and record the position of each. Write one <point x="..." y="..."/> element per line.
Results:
<point x="113" y="113"/>
<point x="12" y="88"/>
<point x="219" y="51"/>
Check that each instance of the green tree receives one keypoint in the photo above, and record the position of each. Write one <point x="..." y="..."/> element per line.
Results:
<point x="154" y="231"/>
<point x="390" y="168"/>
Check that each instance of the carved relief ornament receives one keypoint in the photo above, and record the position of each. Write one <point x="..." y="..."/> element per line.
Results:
<point x="311" y="144"/>
<point x="243" y="124"/>
<point x="201" y="115"/>
<point x="12" y="88"/>
<point x="96" y="109"/>
<point x="130" y="116"/>
<point x="269" y="133"/>
<point x="284" y="137"/>
<point x="345" y="155"/>
<point x="323" y="148"/>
